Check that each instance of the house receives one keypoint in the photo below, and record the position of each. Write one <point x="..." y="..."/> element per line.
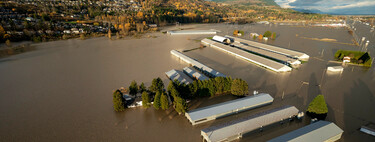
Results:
<point x="346" y="59"/>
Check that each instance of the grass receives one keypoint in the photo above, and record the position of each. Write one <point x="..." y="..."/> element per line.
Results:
<point x="354" y="57"/>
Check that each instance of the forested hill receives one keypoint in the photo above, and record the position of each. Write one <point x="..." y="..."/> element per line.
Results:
<point x="250" y="2"/>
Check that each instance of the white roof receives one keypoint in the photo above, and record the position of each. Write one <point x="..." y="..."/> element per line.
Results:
<point x="191" y="32"/>
<point x="248" y="123"/>
<point x="223" y="108"/>
<point x="335" y="68"/>
<point x="270" y="64"/>
<point x="320" y="131"/>
<point x="219" y="38"/>
<point x="197" y="64"/>
<point x="178" y="75"/>
<point x="195" y="74"/>
<point x="284" y="51"/>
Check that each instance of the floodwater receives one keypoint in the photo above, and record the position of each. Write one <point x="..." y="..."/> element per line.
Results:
<point x="63" y="90"/>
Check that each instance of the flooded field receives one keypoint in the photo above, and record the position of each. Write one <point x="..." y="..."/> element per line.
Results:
<point x="62" y="91"/>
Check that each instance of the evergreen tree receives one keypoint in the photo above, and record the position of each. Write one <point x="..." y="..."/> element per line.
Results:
<point x="164" y="101"/>
<point x="170" y="86"/>
<point x="142" y="87"/>
<point x="157" y="85"/>
<point x="133" y="88"/>
<point x="180" y="105"/>
<point x="145" y="100"/>
<point x="318" y="105"/>
<point x="239" y="87"/>
<point x="267" y="34"/>
<point x="118" y="101"/>
<point x="157" y="103"/>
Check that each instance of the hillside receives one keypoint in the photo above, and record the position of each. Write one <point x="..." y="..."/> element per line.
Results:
<point x="249" y="2"/>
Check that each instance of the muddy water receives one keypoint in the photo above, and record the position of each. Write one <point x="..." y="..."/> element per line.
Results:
<point x="62" y="91"/>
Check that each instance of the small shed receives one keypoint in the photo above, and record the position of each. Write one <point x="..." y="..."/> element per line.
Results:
<point x="221" y="39"/>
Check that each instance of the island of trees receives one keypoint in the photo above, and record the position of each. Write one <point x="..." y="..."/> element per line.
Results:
<point x="177" y="93"/>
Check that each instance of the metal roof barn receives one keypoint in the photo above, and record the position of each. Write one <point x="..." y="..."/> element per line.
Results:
<point x="321" y="131"/>
<point x="195" y="74"/>
<point x="178" y="75"/>
<point x="279" y="50"/>
<point x="212" y="112"/>
<point x="235" y="129"/>
<point x="273" y="55"/>
<point x="192" y="32"/>
<point x="221" y="39"/>
<point x="201" y="67"/>
<point x="259" y="60"/>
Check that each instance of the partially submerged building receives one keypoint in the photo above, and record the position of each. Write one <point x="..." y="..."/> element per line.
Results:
<point x="335" y="69"/>
<point x="235" y="129"/>
<point x="291" y="53"/>
<point x="192" y="32"/>
<point x="179" y="76"/>
<point x="321" y="131"/>
<point x="195" y="74"/>
<point x="272" y="55"/>
<point x="256" y="59"/>
<point x="213" y="112"/>
<point x="197" y="65"/>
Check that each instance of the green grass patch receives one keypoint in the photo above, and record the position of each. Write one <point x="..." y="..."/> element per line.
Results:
<point x="210" y="37"/>
<point x="356" y="57"/>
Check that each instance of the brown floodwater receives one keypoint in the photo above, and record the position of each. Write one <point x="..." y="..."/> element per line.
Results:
<point x="63" y="90"/>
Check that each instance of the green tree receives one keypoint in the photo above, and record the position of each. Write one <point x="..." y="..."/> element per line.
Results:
<point x="133" y="88"/>
<point x="318" y="105"/>
<point x="170" y="86"/>
<point x="164" y="101"/>
<point x="239" y="87"/>
<point x="142" y="87"/>
<point x="157" y="103"/>
<point x="145" y="100"/>
<point x="273" y="35"/>
<point x="118" y="101"/>
<point x="267" y="34"/>
<point x="180" y="105"/>
<point x="157" y="85"/>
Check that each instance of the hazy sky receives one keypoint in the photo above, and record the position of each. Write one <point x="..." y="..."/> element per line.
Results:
<point x="345" y="6"/>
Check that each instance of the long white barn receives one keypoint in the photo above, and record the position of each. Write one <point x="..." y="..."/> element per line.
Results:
<point x="261" y="61"/>
<point x="205" y="69"/>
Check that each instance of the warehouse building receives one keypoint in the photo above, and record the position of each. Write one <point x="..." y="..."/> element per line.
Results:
<point x="209" y="113"/>
<point x="195" y="74"/>
<point x="235" y="129"/>
<point x="179" y="76"/>
<point x="192" y="32"/>
<point x="321" y="131"/>
<point x="287" y="52"/>
<point x="259" y="60"/>
<point x="272" y="55"/>
<point x="197" y="65"/>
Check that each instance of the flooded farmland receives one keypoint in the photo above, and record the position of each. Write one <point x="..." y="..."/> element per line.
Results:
<point x="62" y="91"/>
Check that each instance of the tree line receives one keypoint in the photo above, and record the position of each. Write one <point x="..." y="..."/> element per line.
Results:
<point x="177" y="93"/>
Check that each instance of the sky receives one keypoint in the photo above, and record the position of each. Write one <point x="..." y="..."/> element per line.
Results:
<point x="332" y="6"/>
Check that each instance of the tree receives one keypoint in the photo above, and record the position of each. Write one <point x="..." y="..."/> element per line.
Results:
<point x="180" y="105"/>
<point x="318" y="105"/>
<point x="164" y="101"/>
<point x="273" y="35"/>
<point x="7" y="42"/>
<point x="267" y="34"/>
<point x="260" y="37"/>
<point x="145" y="100"/>
<point x="157" y="85"/>
<point x="142" y="87"/>
<point x="82" y="36"/>
<point x="157" y="103"/>
<point x="2" y="32"/>
<point x="109" y="33"/>
<point x="117" y="35"/>
<point x="133" y="88"/>
<point x="118" y="101"/>
<point x="239" y="87"/>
